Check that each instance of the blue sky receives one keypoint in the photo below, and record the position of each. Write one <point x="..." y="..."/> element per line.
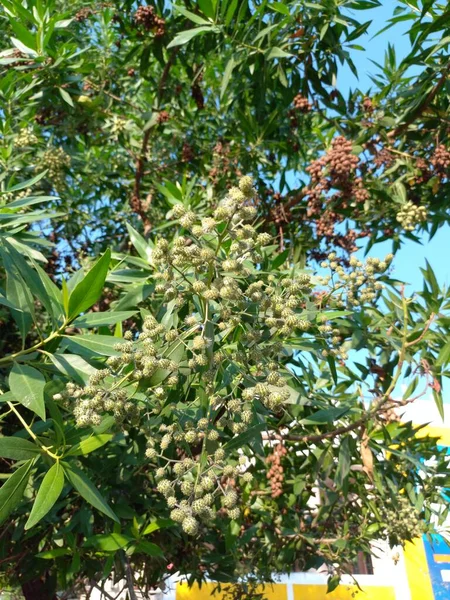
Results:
<point x="411" y="257"/>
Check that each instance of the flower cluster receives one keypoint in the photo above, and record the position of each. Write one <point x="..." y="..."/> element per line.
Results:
<point x="357" y="284"/>
<point x="211" y="360"/>
<point x="401" y="523"/>
<point x="55" y="160"/>
<point x="410" y="215"/>
<point x="25" y="138"/>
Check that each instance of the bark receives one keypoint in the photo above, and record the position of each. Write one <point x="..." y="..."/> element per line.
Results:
<point x="40" y="589"/>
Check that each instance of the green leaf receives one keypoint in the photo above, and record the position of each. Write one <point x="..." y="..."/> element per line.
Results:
<point x="344" y="463"/>
<point x="277" y="53"/>
<point x="191" y="16"/>
<point x="36" y="286"/>
<point x="27" y="385"/>
<point x="185" y="36"/>
<point x="66" y="97"/>
<point x="149" y="548"/>
<point x="12" y="491"/>
<point x="280" y="7"/>
<point x="54" y="553"/>
<point x="327" y="415"/>
<point x="28" y="183"/>
<point x="108" y="542"/>
<point x="49" y="492"/>
<point x="226" y="76"/>
<point x="444" y="355"/>
<point x="22" y="33"/>
<point x="280" y="259"/>
<point x="74" y="366"/>
<point x="17" y="448"/>
<point x="18" y="295"/>
<point x="97" y="319"/>
<point x="87" y="490"/>
<point x="94" y="344"/>
<point x="88" y="290"/>
<point x="439" y="401"/>
<point x="90" y="444"/>
<point x="156" y="525"/>
<point x="333" y="582"/>
<point x="245" y="437"/>
<point x="141" y="245"/>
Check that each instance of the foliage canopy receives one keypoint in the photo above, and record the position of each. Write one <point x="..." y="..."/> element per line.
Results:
<point x="197" y="370"/>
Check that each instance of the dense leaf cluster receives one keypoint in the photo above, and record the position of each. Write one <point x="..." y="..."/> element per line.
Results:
<point x="197" y="372"/>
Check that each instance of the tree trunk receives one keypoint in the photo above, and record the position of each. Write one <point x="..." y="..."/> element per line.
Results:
<point x="40" y="589"/>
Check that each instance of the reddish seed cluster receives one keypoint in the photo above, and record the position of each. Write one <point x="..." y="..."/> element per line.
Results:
<point x="302" y="104"/>
<point x="275" y="474"/>
<point x="146" y="17"/>
<point x="336" y="170"/>
<point x="221" y="161"/>
<point x="163" y="116"/>
<point x="83" y="14"/>
<point x="425" y="172"/>
<point x="367" y="106"/>
<point x="382" y="158"/>
<point x="187" y="153"/>
<point x="342" y="163"/>
<point x="197" y="95"/>
<point x="441" y="161"/>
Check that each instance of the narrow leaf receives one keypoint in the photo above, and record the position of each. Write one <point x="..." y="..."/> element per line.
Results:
<point x="17" y="448"/>
<point x="88" y="290"/>
<point x="88" y="491"/>
<point x="12" y="491"/>
<point x="27" y="385"/>
<point x="48" y="494"/>
<point x="90" y="444"/>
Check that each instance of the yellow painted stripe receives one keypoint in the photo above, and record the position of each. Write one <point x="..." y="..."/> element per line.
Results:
<point x="417" y="571"/>
<point x="276" y="591"/>
<point x="344" y="592"/>
<point x="441" y="558"/>
<point x="443" y="433"/>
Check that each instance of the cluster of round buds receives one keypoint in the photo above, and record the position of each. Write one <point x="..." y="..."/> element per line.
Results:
<point x="281" y="308"/>
<point x="334" y="338"/>
<point x="238" y="205"/>
<point x="401" y="521"/>
<point x="25" y="138"/>
<point x="302" y="104"/>
<point x="194" y="491"/>
<point x="410" y="215"/>
<point x="359" y="281"/>
<point x="441" y="161"/>
<point x="55" y="160"/>
<point x="95" y="399"/>
<point x="144" y="356"/>
<point x="267" y="393"/>
<point x="276" y="473"/>
<point x="10" y="196"/>
<point x="146" y="16"/>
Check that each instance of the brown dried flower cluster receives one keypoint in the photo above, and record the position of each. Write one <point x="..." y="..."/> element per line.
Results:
<point x="335" y="184"/>
<point x="275" y="474"/>
<point x="146" y="17"/>
<point x="441" y="161"/>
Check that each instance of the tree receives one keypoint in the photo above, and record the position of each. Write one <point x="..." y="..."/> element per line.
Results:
<point x="195" y="354"/>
